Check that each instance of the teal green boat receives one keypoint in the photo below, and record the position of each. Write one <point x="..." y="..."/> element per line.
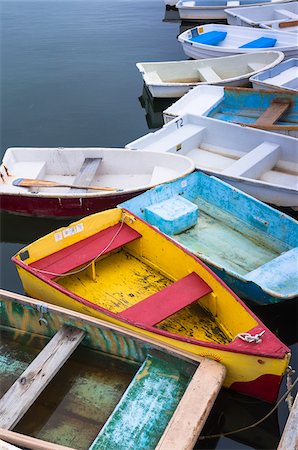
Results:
<point x="251" y="246"/>
<point x="72" y="381"/>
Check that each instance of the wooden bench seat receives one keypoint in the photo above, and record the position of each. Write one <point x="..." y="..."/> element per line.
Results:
<point x="168" y="301"/>
<point x="86" y="173"/>
<point x="84" y="251"/>
<point x="208" y="74"/>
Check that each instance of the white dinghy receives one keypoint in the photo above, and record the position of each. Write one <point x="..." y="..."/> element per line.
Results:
<point x="284" y="76"/>
<point x="172" y="79"/>
<point x="215" y="9"/>
<point x="69" y="182"/>
<point x="280" y="17"/>
<point x="260" y="163"/>
<point x="214" y="40"/>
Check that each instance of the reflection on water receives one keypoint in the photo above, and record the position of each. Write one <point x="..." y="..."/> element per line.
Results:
<point x="154" y="108"/>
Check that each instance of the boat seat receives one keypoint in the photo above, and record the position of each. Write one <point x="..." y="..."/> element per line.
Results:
<point x="255" y="66"/>
<point x="84" y="251"/>
<point x="208" y="74"/>
<point x="168" y="301"/>
<point x="86" y="173"/>
<point x="263" y="42"/>
<point x="233" y="3"/>
<point x="277" y="108"/>
<point x="154" y="78"/>
<point x="278" y="274"/>
<point x="209" y="38"/>
<point x="259" y="160"/>
<point x="160" y="174"/>
<point x="287" y="14"/>
<point x="29" y="169"/>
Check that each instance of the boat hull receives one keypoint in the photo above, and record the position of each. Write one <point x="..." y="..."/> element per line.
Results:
<point x="255" y="371"/>
<point x="62" y="207"/>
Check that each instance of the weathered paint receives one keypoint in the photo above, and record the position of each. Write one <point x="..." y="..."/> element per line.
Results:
<point x="235" y="235"/>
<point x="145" y="408"/>
<point x="85" y="392"/>
<point x="247" y="105"/>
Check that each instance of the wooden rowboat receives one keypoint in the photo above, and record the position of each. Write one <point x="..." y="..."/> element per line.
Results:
<point x="112" y="388"/>
<point x="114" y="266"/>
<point x="285" y="76"/>
<point x="66" y="182"/>
<point x="174" y="78"/>
<point x="252" y="247"/>
<point x="214" y="40"/>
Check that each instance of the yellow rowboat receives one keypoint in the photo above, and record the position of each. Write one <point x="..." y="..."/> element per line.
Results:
<point x="114" y="266"/>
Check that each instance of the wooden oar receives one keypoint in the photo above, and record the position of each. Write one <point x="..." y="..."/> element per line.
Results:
<point x="29" y="182"/>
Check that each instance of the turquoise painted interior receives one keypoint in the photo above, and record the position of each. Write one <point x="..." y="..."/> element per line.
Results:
<point x="234" y="232"/>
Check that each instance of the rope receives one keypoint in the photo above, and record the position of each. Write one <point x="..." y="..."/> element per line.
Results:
<point x="228" y="433"/>
<point x="247" y="337"/>
<point x="90" y="263"/>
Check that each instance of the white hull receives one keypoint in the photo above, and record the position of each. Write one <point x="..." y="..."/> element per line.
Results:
<point x="269" y="16"/>
<point x="235" y="38"/>
<point x="260" y="163"/>
<point x="175" y="78"/>
<point x="189" y="10"/>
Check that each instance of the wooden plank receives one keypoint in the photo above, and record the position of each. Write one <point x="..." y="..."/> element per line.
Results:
<point x="276" y="109"/>
<point x="85" y="250"/>
<point x="18" y="399"/>
<point x="194" y="408"/>
<point x="87" y="173"/>
<point x="289" y="438"/>
<point x="168" y="301"/>
<point x="30" y="442"/>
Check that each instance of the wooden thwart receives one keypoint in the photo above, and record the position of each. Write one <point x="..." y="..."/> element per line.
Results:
<point x="168" y="301"/>
<point x="87" y="172"/>
<point x="29" y="441"/>
<point x="189" y="418"/>
<point x="276" y="109"/>
<point x="18" y="399"/>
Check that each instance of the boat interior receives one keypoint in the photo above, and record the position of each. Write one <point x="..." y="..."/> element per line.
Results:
<point x="205" y="71"/>
<point x="115" y="168"/>
<point x="249" y="107"/>
<point x="130" y="277"/>
<point x="104" y="380"/>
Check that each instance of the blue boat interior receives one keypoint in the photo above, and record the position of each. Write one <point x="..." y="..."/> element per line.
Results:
<point x="250" y="104"/>
<point x="262" y="42"/>
<point x="233" y="232"/>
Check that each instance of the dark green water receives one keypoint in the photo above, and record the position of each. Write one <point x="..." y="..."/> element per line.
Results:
<point x="68" y="78"/>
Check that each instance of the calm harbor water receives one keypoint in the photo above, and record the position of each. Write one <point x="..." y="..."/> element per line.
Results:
<point x="68" y="78"/>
